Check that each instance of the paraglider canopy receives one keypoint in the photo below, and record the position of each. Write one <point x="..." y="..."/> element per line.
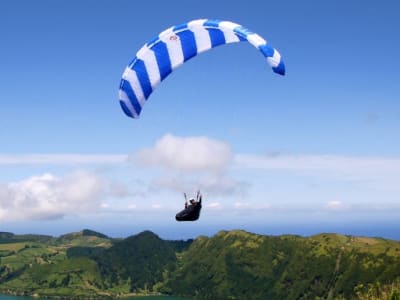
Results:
<point x="176" y="45"/>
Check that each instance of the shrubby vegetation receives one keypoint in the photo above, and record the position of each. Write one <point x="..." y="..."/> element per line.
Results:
<point x="377" y="291"/>
<point x="229" y="265"/>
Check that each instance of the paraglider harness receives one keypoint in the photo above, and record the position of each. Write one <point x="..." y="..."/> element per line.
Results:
<point x="192" y="210"/>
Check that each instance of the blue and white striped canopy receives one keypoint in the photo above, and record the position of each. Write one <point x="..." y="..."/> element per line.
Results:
<point x="174" y="46"/>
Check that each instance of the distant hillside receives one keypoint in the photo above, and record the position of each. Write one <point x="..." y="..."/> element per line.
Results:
<point x="88" y="232"/>
<point x="8" y="237"/>
<point x="229" y="265"/>
<point x="86" y="237"/>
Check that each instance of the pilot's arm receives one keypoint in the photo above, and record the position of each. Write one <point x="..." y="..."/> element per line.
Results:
<point x="184" y="194"/>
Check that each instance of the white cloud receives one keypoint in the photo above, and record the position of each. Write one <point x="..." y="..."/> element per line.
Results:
<point x="241" y="205"/>
<point x="48" y="197"/>
<point x="330" y="163"/>
<point x="223" y="185"/>
<point x="61" y="159"/>
<point x="132" y="206"/>
<point x="335" y="205"/>
<point x="186" y="154"/>
<point x="156" y="206"/>
<point x="213" y="184"/>
<point x="214" y="205"/>
<point x="191" y="163"/>
<point x="251" y="207"/>
<point x="120" y="190"/>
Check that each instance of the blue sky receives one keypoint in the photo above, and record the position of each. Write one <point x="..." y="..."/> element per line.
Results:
<point x="316" y="150"/>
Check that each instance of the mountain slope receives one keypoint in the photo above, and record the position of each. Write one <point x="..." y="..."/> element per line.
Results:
<point x="142" y="259"/>
<point x="241" y="265"/>
<point x="229" y="265"/>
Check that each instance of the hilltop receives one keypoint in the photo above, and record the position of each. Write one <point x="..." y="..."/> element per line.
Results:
<point x="231" y="264"/>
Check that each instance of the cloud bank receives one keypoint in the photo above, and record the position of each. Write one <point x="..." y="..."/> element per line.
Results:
<point x="378" y="172"/>
<point x="186" y="164"/>
<point x="61" y="159"/>
<point x="50" y="197"/>
<point x="216" y="185"/>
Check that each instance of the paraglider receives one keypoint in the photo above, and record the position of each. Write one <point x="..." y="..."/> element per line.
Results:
<point x="170" y="49"/>
<point x="176" y="45"/>
<point x="192" y="210"/>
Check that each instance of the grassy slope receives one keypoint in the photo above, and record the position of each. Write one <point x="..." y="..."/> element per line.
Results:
<point x="36" y="264"/>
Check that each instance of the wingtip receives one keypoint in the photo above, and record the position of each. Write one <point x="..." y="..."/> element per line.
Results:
<point x="280" y="69"/>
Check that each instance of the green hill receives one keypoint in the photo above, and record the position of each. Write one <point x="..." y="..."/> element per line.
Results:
<point x="140" y="259"/>
<point x="84" y="238"/>
<point x="8" y="237"/>
<point x="240" y="265"/>
<point x="31" y="264"/>
<point x="229" y="265"/>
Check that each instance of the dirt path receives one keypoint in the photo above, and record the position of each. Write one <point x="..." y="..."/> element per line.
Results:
<point x="335" y="274"/>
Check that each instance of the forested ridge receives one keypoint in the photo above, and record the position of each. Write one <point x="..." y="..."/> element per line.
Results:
<point x="228" y="265"/>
